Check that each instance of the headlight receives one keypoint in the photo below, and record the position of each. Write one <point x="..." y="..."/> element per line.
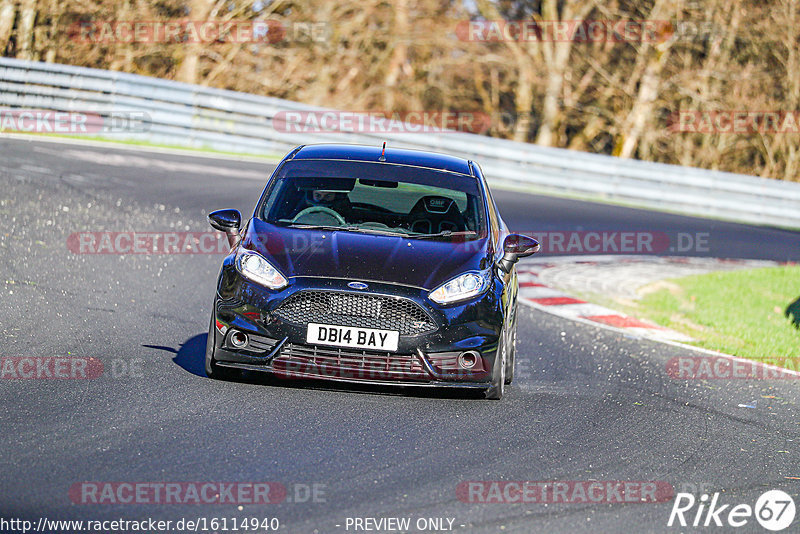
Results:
<point x="466" y="286"/>
<point x="254" y="267"/>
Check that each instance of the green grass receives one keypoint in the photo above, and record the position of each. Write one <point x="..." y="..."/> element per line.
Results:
<point x="136" y="142"/>
<point x="737" y="312"/>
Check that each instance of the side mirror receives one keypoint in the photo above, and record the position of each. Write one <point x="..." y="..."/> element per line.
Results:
<point x="227" y="221"/>
<point x="516" y="246"/>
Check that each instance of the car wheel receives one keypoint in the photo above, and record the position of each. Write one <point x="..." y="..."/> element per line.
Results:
<point x="212" y="369"/>
<point x="512" y="353"/>
<point x="498" y="387"/>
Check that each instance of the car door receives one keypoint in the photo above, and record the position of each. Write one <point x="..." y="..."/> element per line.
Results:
<point x="497" y="233"/>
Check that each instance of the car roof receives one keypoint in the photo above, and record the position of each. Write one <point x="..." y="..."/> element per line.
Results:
<point x="397" y="156"/>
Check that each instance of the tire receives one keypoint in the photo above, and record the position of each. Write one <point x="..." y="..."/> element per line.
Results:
<point x="498" y="387"/>
<point x="213" y="370"/>
<point x="512" y="353"/>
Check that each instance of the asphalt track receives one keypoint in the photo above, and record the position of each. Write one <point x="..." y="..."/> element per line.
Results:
<point x="587" y="404"/>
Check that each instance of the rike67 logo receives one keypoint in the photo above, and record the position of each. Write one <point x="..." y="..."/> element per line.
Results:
<point x="774" y="510"/>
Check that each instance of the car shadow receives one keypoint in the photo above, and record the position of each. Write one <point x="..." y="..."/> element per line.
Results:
<point x="192" y="353"/>
<point x="190" y="356"/>
<point x="793" y="312"/>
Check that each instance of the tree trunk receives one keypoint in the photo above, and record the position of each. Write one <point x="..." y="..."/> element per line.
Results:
<point x="556" y="55"/>
<point x="400" y="34"/>
<point x="7" y="14"/>
<point x="122" y="55"/>
<point x="189" y="70"/>
<point x="27" y="11"/>
<point x="641" y="112"/>
<point x="642" y="109"/>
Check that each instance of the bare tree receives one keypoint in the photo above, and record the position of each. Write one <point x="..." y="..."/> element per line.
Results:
<point x="654" y="56"/>
<point x="7" y="15"/>
<point x="199" y="10"/>
<point x="607" y="96"/>
<point x="27" y="19"/>
<point x="556" y="57"/>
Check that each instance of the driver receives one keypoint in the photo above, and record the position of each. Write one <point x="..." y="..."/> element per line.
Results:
<point x="334" y="200"/>
<point x="320" y="197"/>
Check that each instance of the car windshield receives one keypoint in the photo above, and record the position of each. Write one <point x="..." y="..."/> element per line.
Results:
<point x="375" y="198"/>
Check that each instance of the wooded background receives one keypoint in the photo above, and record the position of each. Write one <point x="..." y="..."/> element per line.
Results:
<point x="611" y="97"/>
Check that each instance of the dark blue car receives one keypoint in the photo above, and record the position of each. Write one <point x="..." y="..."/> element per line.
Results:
<point x="363" y="264"/>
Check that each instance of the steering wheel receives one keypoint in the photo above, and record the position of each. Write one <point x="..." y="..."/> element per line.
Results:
<point x="321" y="210"/>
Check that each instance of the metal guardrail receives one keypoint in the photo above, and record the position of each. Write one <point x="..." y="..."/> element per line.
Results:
<point x="201" y="117"/>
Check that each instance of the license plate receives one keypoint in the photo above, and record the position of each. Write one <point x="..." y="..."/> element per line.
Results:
<point x="351" y="336"/>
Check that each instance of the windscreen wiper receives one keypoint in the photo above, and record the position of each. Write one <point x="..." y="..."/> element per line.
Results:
<point x="346" y="229"/>
<point x="316" y="226"/>
<point x="445" y="233"/>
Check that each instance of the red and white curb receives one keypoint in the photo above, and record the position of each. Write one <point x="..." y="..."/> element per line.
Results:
<point x="535" y="293"/>
<point x="538" y="295"/>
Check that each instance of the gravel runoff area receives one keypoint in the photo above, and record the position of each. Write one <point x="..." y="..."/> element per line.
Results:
<point x="567" y="286"/>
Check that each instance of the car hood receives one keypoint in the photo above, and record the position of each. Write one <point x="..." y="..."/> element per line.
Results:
<point x="423" y="263"/>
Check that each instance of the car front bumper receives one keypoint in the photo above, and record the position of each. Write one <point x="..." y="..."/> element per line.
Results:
<point x="279" y="347"/>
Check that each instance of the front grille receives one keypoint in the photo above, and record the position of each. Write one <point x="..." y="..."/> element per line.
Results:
<point x="348" y="309"/>
<point x="261" y="343"/>
<point x="298" y="361"/>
